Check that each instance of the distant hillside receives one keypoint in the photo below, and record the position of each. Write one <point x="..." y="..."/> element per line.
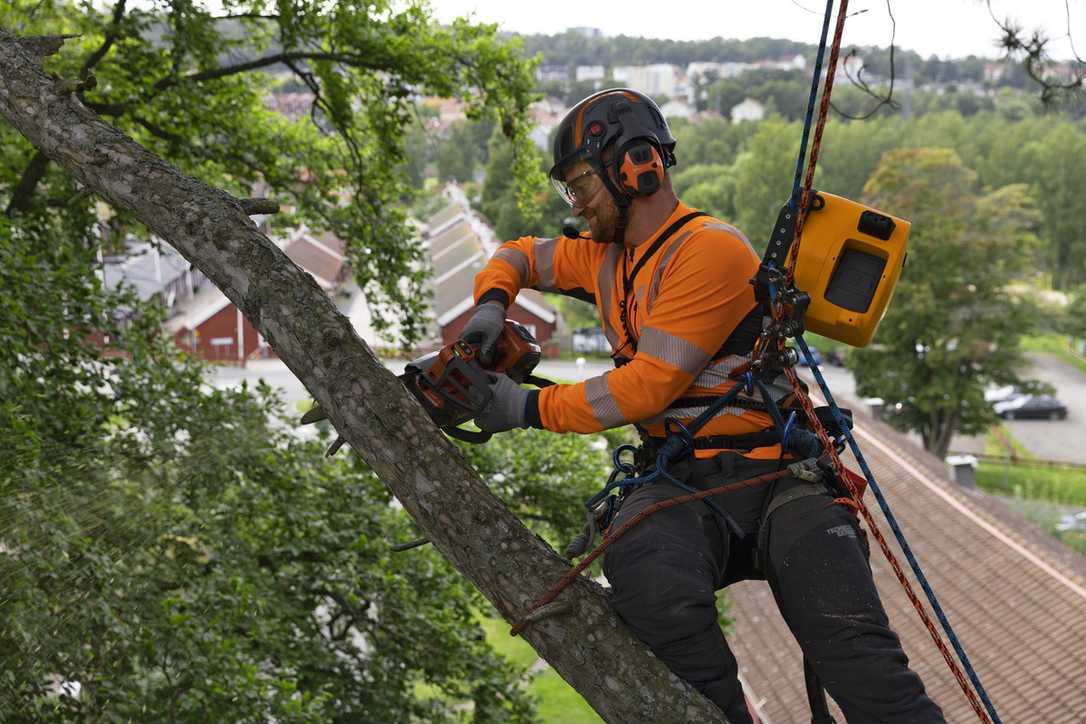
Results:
<point x="573" y="48"/>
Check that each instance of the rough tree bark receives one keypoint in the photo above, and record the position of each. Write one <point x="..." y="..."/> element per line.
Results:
<point x="588" y="646"/>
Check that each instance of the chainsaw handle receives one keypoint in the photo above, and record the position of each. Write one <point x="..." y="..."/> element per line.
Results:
<point x="477" y="438"/>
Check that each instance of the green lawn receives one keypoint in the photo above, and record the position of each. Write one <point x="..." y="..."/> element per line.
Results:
<point x="1054" y="485"/>
<point x="1058" y="344"/>
<point x="1047" y="515"/>
<point x="557" y="701"/>
<point x="1042" y="494"/>
<point x="514" y="648"/>
<point x="1027" y="479"/>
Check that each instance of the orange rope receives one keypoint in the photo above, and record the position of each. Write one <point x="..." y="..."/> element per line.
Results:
<point x="610" y="538"/>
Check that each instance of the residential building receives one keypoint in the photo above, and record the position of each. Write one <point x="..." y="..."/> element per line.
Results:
<point x="590" y="72"/>
<point x="153" y="269"/>
<point x="698" y="71"/>
<point x="994" y="72"/>
<point x="458" y="244"/>
<point x="590" y="33"/>
<point x="553" y="73"/>
<point x="657" y="80"/>
<point x="209" y="324"/>
<point x="677" y="109"/>
<point x="748" y="110"/>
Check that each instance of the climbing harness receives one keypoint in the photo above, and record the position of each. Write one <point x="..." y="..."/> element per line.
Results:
<point x="789" y="312"/>
<point x="629" y="277"/>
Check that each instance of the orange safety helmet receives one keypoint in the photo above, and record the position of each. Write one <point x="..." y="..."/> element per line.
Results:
<point x="633" y="125"/>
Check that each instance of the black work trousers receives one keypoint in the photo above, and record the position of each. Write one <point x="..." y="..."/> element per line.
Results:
<point x="665" y="571"/>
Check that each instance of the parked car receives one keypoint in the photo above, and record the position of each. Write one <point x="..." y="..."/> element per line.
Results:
<point x="1031" y="407"/>
<point x="815" y="355"/>
<point x="1073" y="522"/>
<point x="836" y="356"/>
<point x="1001" y="394"/>
<point x="590" y="340"/>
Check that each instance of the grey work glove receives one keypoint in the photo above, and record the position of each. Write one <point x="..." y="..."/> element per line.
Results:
<point x="484" y="328"/>
<point x="506" y="408"/>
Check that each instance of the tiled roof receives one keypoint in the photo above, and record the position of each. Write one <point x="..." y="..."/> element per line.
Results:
<point x="442" y="217"/>
<point x="452" y="236"/>
<point x="456" y="252"/>
<point x="1015" y="597"/>
<point x="147" y="267"/>
<point x="322" y="257"/>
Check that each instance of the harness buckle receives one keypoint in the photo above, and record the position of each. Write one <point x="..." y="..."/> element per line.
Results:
<point x="679" y="442"/>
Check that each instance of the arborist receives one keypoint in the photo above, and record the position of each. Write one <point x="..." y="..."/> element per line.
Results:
<point x="672" y="286"/>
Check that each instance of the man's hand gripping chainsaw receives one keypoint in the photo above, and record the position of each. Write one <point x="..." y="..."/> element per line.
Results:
<point x="453" y="385"/>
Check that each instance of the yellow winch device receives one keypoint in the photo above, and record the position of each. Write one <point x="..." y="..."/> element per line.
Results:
<point x="850" y="258"/>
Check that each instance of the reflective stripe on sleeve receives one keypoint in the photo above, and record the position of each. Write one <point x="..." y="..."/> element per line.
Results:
<point x="603" y="403"/>
<point x="717" y="373"/>
<point x="516" y="259"/>
<point x="686" y="413"/>
<point x="673" y="350"/>
<point x="544" y="263"/>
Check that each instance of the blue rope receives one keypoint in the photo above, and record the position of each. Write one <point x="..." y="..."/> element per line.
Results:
<point x="677" y="445"/>
<point x="892" y="520"/>
<point x="794" y="201"/>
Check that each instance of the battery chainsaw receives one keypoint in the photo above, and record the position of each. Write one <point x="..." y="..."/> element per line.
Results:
<point x="453" y="385"/>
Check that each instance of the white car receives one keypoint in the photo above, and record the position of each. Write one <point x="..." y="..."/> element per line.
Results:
<point x="1000" y="394"/>
<point x="1074" y="522"/>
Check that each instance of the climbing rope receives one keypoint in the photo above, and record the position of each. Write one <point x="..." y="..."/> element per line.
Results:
<point x="610" y="537"/>
<point x="985" y="713"/>
<point x="679" y="441"/>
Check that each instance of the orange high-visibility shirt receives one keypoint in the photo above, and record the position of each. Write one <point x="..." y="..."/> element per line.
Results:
<point x="684" y="303"/>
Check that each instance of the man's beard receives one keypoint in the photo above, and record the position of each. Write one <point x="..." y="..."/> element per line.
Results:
<point x="603" y="230"/>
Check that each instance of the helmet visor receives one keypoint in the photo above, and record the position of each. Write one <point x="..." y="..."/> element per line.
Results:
<point x="578" y="189"/>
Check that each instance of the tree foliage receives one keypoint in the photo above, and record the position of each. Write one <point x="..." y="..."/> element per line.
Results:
<point x="952" y="328"/>
<point x="195" y="83"/>
<point x="179" y="554"/>
<point x="544" y="215"/>
<point x="168" y="551"/>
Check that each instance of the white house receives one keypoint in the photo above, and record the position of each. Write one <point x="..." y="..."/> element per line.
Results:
<point x="748" y="110"/>
<point x="677" y="109"/>
<point x="659" y="79"/>
<point x="590" y="72"/>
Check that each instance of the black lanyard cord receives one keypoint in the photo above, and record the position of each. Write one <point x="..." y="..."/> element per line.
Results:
<point x="628" y="278"/>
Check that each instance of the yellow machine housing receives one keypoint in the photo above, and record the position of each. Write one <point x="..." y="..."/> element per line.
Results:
<point x="850" y="258"/>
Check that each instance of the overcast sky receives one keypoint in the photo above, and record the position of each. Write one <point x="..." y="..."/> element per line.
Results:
<point x="948" y="28"/>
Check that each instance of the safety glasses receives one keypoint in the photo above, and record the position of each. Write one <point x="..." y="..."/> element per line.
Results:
<point x="578" y="189"/>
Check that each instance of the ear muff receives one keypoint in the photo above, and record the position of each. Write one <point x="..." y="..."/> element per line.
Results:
<point x="640" y="168"/>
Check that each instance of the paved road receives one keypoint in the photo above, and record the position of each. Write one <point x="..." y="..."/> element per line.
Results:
<point x="1056" y="439"/>
<point x="1047" y="439"/>
<point x="1050" y="440"/>
<point x="276" y="374"/>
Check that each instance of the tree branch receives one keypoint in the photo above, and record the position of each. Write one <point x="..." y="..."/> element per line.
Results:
<point x="366" y="403"/>
<point x="23" y="194"/>
<point x="1035" y="56"/>
<point x="107" y="42"/>
<point x="355" y="61"/>
<point x="859" y="82"/>
<point x="260" y="206"/>
<point x="42" y="46"/>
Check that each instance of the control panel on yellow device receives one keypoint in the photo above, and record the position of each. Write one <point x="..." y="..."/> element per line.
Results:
<point x="850" y="258"/>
